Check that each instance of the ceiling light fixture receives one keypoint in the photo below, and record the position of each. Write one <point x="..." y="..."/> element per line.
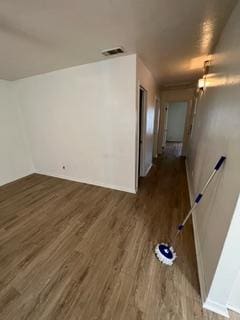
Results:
<point x="201" y="83"/>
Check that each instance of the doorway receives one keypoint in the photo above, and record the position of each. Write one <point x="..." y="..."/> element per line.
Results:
<point x="164" y="140"/>
<point x="156" y="128"/>
<point x="141" y="130"/>
<point x="174" y="127"/>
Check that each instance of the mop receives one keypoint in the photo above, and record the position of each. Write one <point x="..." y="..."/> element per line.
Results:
<point x="165" y="252"/>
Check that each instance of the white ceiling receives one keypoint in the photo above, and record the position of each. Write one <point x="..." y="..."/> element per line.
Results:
<point x="172" y="37"/>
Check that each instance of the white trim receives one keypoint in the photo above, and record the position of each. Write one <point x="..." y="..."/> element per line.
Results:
<point x="61" y="176"/>
<point x="17" y="178"/>
<point x="156" y="126"/>
<point x="165" y="120"/>
<point x="216" y="307"/>
<point x="233" y="308"/>
<point x="196" y="240"/>
<point x="143" y="129"/>
<point x="142" y="125"/>
<point x="148" y="169"/>
<point x="137" y="135"/>
<point x="95" y="183"/>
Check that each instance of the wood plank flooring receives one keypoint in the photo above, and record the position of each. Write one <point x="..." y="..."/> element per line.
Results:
<point x="79" y="252"/>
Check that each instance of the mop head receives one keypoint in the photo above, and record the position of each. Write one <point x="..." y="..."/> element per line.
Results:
<point x="165" y="253"/>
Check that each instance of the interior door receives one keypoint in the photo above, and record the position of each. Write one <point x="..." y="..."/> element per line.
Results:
<point x="165" y="126"/>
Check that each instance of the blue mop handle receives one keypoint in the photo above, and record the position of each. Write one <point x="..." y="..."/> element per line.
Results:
<point x="220" y="162"/>
<point x="200" y="195"/>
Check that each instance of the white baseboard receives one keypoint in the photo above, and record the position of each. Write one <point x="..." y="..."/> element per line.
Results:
<point x="95" y="183"/>
<point x="26" y="174"/>
<point x="148" y="169"/>
<point x="235" y="309"/>
<point x="216" y="307"/>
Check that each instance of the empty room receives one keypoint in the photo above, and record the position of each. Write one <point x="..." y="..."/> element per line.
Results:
<point x="119" y="160"/>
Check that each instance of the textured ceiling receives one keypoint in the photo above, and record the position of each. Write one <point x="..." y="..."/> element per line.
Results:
<point x="172" y="37"/>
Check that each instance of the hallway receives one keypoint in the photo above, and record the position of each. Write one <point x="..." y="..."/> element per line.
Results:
<point x="75" y="251"/>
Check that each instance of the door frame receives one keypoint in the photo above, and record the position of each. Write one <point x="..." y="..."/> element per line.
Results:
<point x="187" y="124"/>
<point x="187" y="127"/>
<point x="165" y="122"/>
<point x="156" y="129"/>
<point x="140" y="154"/>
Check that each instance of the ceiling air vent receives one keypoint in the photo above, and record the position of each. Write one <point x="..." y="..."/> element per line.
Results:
<point x="113" y="51"/>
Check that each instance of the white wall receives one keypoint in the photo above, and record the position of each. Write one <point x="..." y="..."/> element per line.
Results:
<point x="217" y="132"/>
<point x="146" y="80"/>
<point x="234" y="299"/>
<point x="176" y="121"/>
<point x="15" y="158"/>
<point x="84" y="118"/>
<point x="225" y="289"/>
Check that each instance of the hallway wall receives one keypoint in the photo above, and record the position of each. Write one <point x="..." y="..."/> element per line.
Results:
<point x="15" y="159"/>
<point x="216" y="132"/>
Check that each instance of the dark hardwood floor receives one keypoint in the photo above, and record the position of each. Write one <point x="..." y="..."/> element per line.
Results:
<point x="74" y="251"/>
